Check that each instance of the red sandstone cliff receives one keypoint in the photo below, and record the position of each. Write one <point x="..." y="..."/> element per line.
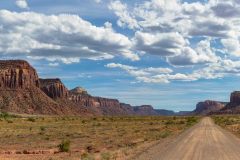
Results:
<point x="233" y="107"/>
<point x="99" y="105"/>
<point x="54" y="88"/>
<point x="17" y="74"/>
<point x="208" y="106"/>
<point x="21" y="91"/>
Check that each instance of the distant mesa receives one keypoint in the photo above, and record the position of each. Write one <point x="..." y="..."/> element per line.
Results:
<point x="208" y="106"/>
<point x="214" y="107"/>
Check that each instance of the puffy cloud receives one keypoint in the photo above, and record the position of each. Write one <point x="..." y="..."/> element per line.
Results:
<point x="232" y="46"/>
<point x="210" y="27"/>
<point x="125" y="18"/>
<point x="203" y="53"/>
<point x="166" y="27"/>
<point x="226" y="9"/>
<point x="152" y="75"/>
<point x="135" y="71"/>
<point x="192" y="9"/>
<point x="118" y="65"/>
<point x="165" y="44"/>
<point x="166" y="75"/>
<point x="60" y="37"/>
<point x="22" y="4"/>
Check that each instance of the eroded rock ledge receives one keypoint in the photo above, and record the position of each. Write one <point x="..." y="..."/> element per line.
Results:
<point x="17" y="74"/>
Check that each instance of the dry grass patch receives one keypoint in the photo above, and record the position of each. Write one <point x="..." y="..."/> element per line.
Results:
<point x="91" y="138"/>
<point x="229" y="122"/>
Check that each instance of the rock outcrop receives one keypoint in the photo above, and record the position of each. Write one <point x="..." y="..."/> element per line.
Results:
<point x="235" y="98"/>
<point x="19" y="90"/>
<point x="208" y="106"/>
<point x="54" y="88"/>
<point x="145" y="110"/>
<point x="99" y="105"/>
<point x="79" y="91"/>
<point x="17" y="74"/>
<point x="233" y="107"/>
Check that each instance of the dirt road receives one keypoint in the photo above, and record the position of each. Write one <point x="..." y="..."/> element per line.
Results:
<point x="205" y="141"/>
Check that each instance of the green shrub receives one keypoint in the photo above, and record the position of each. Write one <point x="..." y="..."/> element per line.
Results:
<point x="6" y="115"/>
<point x="30" y="119"/>
<point x="86" y="156"/>
<point x="191" y="121"/>
<point x="165" y="134"/>
<point x="169" y="122"/>
<point x="64" y="146"/>
<point x="9" y="121"/>
<point x="105" y="156"/>
<point x="42" y="128"/>
<point x="181" y="122"/>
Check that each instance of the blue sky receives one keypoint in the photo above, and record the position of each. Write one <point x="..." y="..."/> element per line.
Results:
<point x="167" y="53"/>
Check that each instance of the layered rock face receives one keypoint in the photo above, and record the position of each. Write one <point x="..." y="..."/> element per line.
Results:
<point x="206" y="107"/>
<point x="111" y="106"/>
<point x="17" y="74"/>
<point x="19" y="90"/>
<point x="235" y="98"/>
<point x="99" y="105"/>
<point x="78" y="95"/>
<point x="233" y="107"/>
<point x="54" y="88"/>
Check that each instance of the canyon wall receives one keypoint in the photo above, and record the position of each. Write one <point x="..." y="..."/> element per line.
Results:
<point x="21" y="91"/>
<point x="17" y="75"/>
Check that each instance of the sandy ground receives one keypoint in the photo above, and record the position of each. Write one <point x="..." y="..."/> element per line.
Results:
<point x="204" y="141"/>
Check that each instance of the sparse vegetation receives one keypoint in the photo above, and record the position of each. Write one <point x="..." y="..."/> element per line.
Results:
<point x="31" y="119"/>
<point x="86" y="156"/>
<point x="104" y="137"/>
<point x="105" y="156"/>
<point x="231" y="123"/>
<point x="6" y="115"/>
<point x="64" y="146"/>
<point x="191" y="120"/>
<point x="165" y="134"/>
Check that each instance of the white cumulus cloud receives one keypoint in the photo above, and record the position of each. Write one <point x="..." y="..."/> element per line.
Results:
<point x="22" y="4"/>
<point x="60" y="37"/>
